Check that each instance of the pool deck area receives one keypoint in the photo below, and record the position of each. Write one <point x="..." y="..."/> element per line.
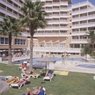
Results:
<point x="75" y="67"/>
<point x="70" y="65"/>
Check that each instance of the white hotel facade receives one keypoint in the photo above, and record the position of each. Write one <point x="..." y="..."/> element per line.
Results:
<point x="67" y="25"/>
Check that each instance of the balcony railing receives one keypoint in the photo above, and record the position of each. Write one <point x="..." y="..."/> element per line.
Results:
<point x="90" y="24"/>
<point x="38" y="34"/>
<point x="57" y="49"/>
<point x="83" y="18"/>
<point x="11" y="6"/>
<point x="79" y="41"/>
<point x="5" y="11"/>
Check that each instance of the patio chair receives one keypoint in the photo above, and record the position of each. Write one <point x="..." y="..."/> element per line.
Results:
<point x="49" y="75"/>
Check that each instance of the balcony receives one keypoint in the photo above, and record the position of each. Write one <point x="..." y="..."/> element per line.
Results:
<point x="51" y="34"/>
<point x="4" y="11"/>
<point x="48" y="5"/>
<point x="79" y="41"/>
<point x="55" y="16"/>
<point x="16" y="2"/>
<point x="76" y="33"/>
<point x="83" y="18"/>
<point x="10" y="6"/>
<point x="64" y="16"/>
<point x="48" y="10"/>
<point x="84" y="25"/>
<point x="82" y="11"/>
<point x="57" y="49"/>
<point x="49" y="49"/>
<point x="64" y="9"/>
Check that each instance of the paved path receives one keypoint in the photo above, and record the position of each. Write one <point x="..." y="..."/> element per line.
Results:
<point x="75" y="67"/>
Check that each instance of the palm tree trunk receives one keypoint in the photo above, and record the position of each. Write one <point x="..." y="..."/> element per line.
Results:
<point x="10" y="48"/>
<point x="31" y="46"/>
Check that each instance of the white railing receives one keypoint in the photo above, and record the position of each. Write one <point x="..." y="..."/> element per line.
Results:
<point x="2" y="10"/>
<point x="79" y="33"/>
<point x="50" y="34"/>
<point x="57" y="49"/>
<point x="90" y="24"/>
<point x="11" y="6"/>
<point x="78" y="41"/>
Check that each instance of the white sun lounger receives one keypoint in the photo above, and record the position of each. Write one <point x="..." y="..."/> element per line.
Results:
<point x="49" y="75"/>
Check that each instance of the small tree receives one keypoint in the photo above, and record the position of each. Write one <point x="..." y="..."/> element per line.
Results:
<point x="34" y="18"/>
<point x="90" y="47"/>
<point x="9" y="27"/>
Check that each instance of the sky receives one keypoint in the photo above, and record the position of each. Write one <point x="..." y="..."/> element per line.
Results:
<point x="75" y="1"/>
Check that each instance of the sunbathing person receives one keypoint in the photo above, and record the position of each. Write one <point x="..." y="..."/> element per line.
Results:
<point x="41" y="92"/>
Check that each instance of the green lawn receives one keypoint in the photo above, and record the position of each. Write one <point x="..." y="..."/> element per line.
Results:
<point x="73" y="84"/>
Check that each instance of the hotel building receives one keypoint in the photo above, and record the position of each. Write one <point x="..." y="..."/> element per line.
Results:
<point x="11" y="8"/>
<point x="67" y="26"/>
<point x="83" y="21"/>
<point x="54" y="39"/>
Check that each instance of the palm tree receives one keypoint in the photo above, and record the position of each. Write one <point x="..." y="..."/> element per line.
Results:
<point x="34" y="18"/>
<point x="91" y="37"/>
<point x="9" y="27"/>
<point x="90" y="47"/>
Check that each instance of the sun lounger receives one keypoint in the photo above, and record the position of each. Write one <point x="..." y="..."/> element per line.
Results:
<point x="21" y="82"/>
<point x="49" y="75"/>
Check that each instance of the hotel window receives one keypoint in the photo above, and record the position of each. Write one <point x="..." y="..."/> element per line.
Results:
<point x="9" y="10"/>
<point x="63" y="6"/>
<point x="76" y="9"/>
<point x="91" y="13"/>
<point x="75" y="30"/>
<point x="83" y="15"/>
<point x="63" y="31"/>
<point x="77" y="46"/>
<point x="75" y="37"/>
<point x="55" y="1"/>
<point x="83" y="8"/>
<point x="56" y="7"/>
<point x="83" y="22"/>
<point x="48" y="2"/>
<point x="6" y="41"/>
<point x="48" y="8"/>
<point x="83" y="37"/>
<point x="19" y="41"/>
<point x="63" y="25"/>
<point x="83" y="29"/>
<point x="1" y="40"/>
<point x="64" y="13"/>
<point x="55" y="13"/>
<point x="91" y="21"/>
<point x="75" y="23"/>
<point x="63" y="19"/>
<point x="71" y="45"/>
<point x="2" y="6"/>
<point x="75" y="16"/>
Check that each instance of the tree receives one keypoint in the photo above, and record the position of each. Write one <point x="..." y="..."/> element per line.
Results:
<point x="34" y="18"/>
<point x="90" y="47"/>
<point x="91" y="37"/>
<point x="9" y="27"/>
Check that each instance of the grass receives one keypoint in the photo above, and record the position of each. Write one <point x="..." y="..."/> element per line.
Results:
<point x="73" y="84"/>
